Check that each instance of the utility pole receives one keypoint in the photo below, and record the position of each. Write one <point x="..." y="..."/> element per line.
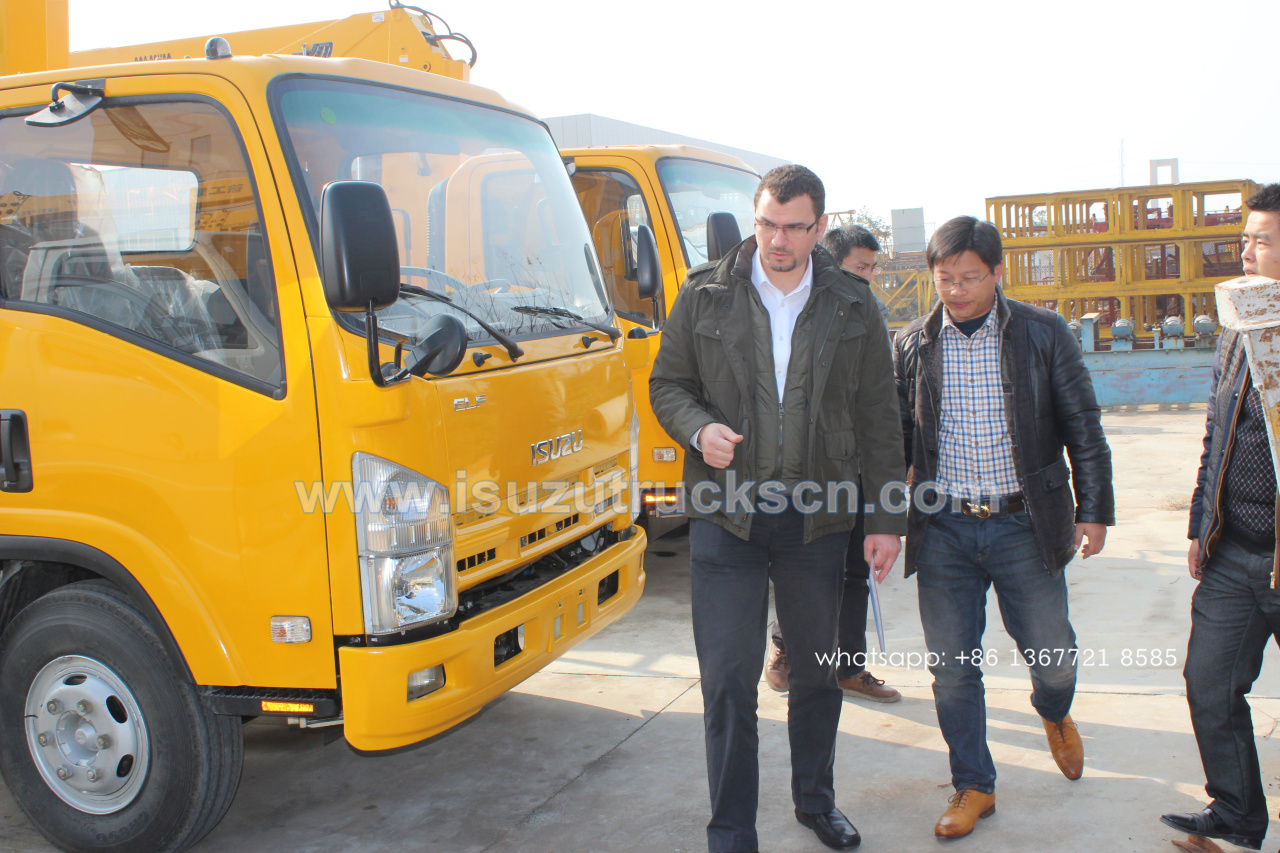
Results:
<point x="1122" y="161"/>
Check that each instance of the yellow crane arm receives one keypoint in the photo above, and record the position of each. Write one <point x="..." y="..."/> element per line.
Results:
<point x="395" y="36"/>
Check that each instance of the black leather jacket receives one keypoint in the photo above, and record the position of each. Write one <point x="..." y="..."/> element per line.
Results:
<point x="1230" y="370"/>
<point x="1049" y="406"/>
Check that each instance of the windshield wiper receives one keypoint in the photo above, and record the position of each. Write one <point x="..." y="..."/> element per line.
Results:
<point x="513" y="349"/>
<point x="633" y="316"/>
<point x="548" y="311"/>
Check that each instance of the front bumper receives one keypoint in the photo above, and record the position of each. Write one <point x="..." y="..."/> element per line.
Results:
<point x="376" y="708"/>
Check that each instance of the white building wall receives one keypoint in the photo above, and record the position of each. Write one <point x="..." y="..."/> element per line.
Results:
<point x="908" y="229"/>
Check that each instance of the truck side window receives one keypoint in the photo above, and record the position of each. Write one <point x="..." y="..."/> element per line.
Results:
<point x="142" y="218"/>
<point x="614" y="207"/>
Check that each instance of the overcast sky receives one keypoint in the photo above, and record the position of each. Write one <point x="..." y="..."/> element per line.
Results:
<point x="894" y="104"/>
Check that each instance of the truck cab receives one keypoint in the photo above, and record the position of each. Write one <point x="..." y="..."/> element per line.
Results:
<point x="313" y="405"/>
<point x="649" y="207"/>
<point x="672" y="192"/>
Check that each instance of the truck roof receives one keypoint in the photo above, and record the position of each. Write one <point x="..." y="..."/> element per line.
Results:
<point x="253" y="73"/>
<point x="656" y="152"/>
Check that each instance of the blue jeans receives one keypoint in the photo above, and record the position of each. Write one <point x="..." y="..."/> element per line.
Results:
<point x="960" y="559"/>
<point x="1234" y="612"/>
<point x="730" y="584"/>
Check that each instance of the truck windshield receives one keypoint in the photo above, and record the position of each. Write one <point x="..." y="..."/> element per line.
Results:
<point x="483" y="208"/>
<point x="696" y="189"/>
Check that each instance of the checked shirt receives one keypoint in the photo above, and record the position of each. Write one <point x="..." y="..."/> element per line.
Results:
<point x="975" y="456"/>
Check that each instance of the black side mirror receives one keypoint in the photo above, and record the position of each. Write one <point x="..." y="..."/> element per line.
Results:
<point x="360" y="267"/>
<point x="722" y="234"/>
<point x="359" y="258"/>
<point x="441" y="349"/>
<point x="648" y="266"/>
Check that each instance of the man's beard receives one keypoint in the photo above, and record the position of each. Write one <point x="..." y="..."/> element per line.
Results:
<point x="785" y="266"/>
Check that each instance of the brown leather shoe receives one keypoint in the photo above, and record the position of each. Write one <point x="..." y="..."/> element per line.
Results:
<point x="967" y="805"/>
<point x="864" y="685"/>
<point x="777" y="672"/>
<point x="1065" y="744"/>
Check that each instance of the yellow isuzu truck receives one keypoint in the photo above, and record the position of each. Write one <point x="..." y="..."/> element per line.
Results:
<point x="654" y="211"/>
<point x="312" y="404"/>
<point x="672" y="207"/>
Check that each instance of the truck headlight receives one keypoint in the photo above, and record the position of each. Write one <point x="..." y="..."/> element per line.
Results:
<point x="404" y="531"/>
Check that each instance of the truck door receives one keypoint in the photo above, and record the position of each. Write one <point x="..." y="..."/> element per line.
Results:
<point x="614" y="203"/>
<point x="153" y="338"/>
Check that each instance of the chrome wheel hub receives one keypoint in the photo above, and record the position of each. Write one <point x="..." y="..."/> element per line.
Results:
<point x="86" y="734"/>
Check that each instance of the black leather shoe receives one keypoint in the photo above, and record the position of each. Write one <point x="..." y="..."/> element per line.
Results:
<point x="1209" y="825"/>
<point x="832" y="828"/>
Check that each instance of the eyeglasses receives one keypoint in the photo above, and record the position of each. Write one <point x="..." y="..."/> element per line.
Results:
<point x="967" y="283"/>
<point x="767" y="229"/>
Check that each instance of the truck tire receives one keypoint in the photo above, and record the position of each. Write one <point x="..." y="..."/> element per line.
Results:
<point x="102" y="744"/>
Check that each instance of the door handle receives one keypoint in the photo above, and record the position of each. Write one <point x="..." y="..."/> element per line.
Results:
<point x="15" y="452"/>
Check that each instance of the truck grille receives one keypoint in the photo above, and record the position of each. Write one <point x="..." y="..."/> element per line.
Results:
<point x="477" y="559"/>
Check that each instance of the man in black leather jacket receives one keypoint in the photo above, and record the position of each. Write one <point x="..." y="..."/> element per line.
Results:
<point x="991" y="391"/>
<point x="1235" y="516"/>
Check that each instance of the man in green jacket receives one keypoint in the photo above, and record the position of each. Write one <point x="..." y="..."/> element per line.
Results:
<point x="776" y="375"/>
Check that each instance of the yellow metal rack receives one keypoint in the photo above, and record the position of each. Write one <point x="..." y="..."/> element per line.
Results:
<point x="1143" y="253"/>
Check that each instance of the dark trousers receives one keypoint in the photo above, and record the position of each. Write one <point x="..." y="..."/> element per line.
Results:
<point x="730" y="581"/>
<point x="853" y="607"/>
<point x="852" y="631"/>
<point x="1234" y="612"/>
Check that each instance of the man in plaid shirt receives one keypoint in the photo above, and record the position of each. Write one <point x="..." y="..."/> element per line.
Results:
<point x="992" y="392"/>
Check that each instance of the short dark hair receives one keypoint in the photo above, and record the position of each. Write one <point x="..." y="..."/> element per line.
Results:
<point x="843" y="240"/>
<point x="1266" y="200"/>
<point x="965" y="234"/>
<point x="791" y="181"/>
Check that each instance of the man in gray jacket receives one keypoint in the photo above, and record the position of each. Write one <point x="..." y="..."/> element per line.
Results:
<point x="775" y="373"/>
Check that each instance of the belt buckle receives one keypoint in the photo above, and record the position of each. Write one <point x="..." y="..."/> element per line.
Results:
<point x="982" y="510"/>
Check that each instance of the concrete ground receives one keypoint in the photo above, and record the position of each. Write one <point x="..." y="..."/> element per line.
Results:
<point x="603" y="751"/>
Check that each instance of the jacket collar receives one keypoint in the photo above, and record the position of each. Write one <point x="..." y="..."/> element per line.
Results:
<point x="735" y="269"/>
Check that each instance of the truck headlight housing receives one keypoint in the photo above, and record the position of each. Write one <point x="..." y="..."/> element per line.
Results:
<point x="404" y="532"/>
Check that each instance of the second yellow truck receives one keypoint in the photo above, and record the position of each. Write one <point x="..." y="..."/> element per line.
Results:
<point x="683" y="206"/>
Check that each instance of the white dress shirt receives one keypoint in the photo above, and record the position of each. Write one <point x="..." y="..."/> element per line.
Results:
<point x="783" y="310"/>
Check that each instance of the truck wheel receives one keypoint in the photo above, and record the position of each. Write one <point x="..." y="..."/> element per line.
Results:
<point x="103" y="746"/>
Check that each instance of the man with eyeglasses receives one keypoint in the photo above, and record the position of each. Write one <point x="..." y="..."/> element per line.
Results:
<point x="776" y="374"/>
<point x="991" y="392"/>
<point x="855" y="249"/>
